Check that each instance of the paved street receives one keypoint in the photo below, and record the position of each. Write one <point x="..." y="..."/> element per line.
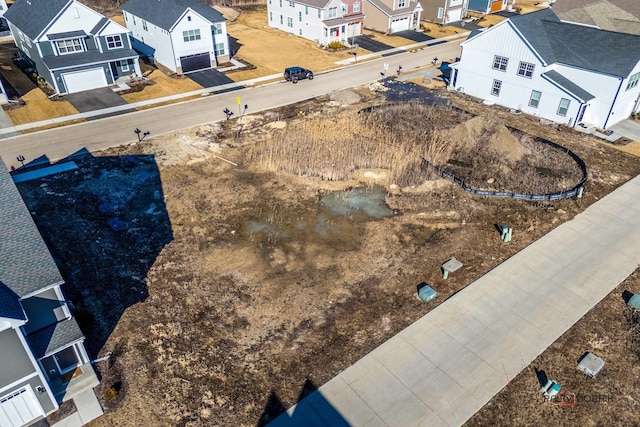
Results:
<point x="443" y="368"/>
<point x="99" y="134"/>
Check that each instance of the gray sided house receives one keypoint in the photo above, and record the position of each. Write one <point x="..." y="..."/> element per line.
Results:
<point x="72" y="47"/>
<point x="182" y="35"/>
<point x="43" y="361"/>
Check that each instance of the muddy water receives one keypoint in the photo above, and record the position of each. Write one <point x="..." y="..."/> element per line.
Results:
<point x="334" y="218"/>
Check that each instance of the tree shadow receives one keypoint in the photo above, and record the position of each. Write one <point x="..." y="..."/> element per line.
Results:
<point x="311" y="409"/>
<point x="542" y="377"/>
<point x="104" y="224"/>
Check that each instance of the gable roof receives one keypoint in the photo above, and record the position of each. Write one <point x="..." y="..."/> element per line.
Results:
<point x="55" y="337"/>
<point x="165" y="13"/>
<point x="614" y="15"/>
<point x="32" y="16"/>
<point x="577" y="45"/>
<point x="26" y="265"/>
<point x="568" y="85"/>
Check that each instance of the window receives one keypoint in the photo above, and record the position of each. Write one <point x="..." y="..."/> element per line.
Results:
<point x="306" y="10"/>
<point x="500" y="63"/>
<point x="440" y="12"/>
<point x="563" y="107"/>
<point x="401" y="3"/>
<point x="134" y="20"/>
<point x="292" y="4"/>
<point x="114" y="42"/>
<point x="144" y="25"/>
<point x="280" y="3"/>
<point x="633" y="81"/>
<point x="69" y="46"/>
<point x="218" y="49"/>
<point x="356" y="6"/>
<point x="534" y="100"/>
<point x="319" y="13"/>
<point x="300" y="32"/>
<point x="270" y="16"/>
<point x="217" y="28"/>
<point x="495" y="88"/>
<point x="191" y="35"/>
<point x="333" y="12"/>
<point x="124" y="65"/>
<point x="281" y="20"/>
<point x="289" y="22"/>
<point x="525" y="69"/>
<point x="300" y="16"/>
<point x="189" y="18"/>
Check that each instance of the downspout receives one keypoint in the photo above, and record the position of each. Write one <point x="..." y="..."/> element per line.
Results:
<point x="613" y="103"/>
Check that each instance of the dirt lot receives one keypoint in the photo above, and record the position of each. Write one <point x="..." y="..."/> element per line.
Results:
<point x="227" y="292"/>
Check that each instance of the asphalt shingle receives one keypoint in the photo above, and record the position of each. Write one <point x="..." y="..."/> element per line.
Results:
<point x="33" y="16"/>
<point x="567" y="84"/>
<point x="54" y="338"/>
<point x="26" y="264"/>
<point x="165" y="13"/>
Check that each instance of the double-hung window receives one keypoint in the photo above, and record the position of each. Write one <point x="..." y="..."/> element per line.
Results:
<point x="191" y="35"/>
<point x="500" y="63"/>
<point x="401" y="3"/>
<point x="563" y="107"/>
<point x="290" y="22"/>
<point x="218" y="48"/>
<point x="144" y="25"/>
<point x="333" y="12"/>
<point x="534" y="99"/>
<point x="217" y="29"/>
<point x="525" y="69"/>
<point x="69" y="46"/>
<point x="633" y="81"/>
<point x="114" y="42"/>
<point x="495" y="88"/>
<point x="124" y="65"/>
<point x="356" y="6"/>
<point x="300" y="15"/>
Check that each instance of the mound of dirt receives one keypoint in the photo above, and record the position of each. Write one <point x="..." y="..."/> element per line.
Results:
<point x="492" y="135"/>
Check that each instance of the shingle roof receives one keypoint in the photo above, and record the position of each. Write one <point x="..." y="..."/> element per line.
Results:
<point x="411" y="6"/>
<point x="25" y="262"/>
<point x="568" y="85"/>
<point x="32" y="16"/>
<point x="67" y="35"/>
<point x="614" y="15"/>
<point x="165" y="13"/>
<point x="54" y="338"/>
<point x="86" y="58"/>
<point x="590" y="48"/>
<point x="10" y="308"/>
<point x="100" y="25"/>
<point x="318" y="4"/>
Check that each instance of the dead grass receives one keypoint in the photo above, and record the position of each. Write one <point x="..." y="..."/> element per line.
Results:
<point x="53" y="126"/>
<point x="389" y="40"/>
<point x="164" y="86"/>
<point x="160" y="104"/>
<point x="271" y="51"/>
<point x="437" y="31"/>
<point x="527" y="6"/>
<point x="38" y="107"/>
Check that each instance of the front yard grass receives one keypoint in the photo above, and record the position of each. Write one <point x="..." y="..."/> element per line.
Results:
<point x="436" y="31"/>
<point x="38" y="107"/>
<point x="164" y="86"/>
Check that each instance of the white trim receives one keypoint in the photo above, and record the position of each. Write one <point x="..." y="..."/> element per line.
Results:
<point x="15" y="383"/>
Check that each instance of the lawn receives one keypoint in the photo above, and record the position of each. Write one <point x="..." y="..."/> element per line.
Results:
<point x="38" y="107"/>
<point x="164" y="86"/>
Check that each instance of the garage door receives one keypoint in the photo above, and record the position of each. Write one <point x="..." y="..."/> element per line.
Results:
<point x="18" y="408"/>
<point x="195" y="62"/>
<point x="85" y="80"/>
<point x="399" y="25"/>
<point x="454" y="15"/>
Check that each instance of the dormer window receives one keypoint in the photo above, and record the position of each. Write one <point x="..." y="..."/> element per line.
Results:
<point x="69" y="46"/>
<point x="114" y="42"/>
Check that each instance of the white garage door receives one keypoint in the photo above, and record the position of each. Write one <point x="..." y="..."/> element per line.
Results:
<point x="19" y="407"/>
<point x="399" y="25"/>
<point x="84" y="80"/>
<point x="454" y="15"/>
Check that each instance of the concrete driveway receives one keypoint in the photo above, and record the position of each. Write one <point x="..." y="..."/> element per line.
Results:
<point x="97" y="99"/>
<point x="209" y="78"/>
<point x="628" y="128"/>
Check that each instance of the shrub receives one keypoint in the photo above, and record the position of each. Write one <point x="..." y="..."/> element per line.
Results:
<point x="335" y="45"/>
<point x="110" y="393"/>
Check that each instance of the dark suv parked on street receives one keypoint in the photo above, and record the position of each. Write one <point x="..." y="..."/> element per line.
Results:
<point x="293" y="74"/>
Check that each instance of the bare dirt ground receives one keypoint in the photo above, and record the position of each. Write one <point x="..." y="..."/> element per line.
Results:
<point x="226" y="292"/>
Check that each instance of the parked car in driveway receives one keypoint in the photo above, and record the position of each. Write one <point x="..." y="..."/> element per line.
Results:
<point x="293" y="74"/>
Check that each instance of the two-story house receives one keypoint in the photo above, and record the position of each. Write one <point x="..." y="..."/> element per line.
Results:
<point x="182" y="35"/>
<point x="563" y="72"/>
<point x="392" y="16"/>
<point x="445" y="11"/>
<point x="72" y="47"/>
<point x="43" y="360"/>
<point x="323" y="21"/>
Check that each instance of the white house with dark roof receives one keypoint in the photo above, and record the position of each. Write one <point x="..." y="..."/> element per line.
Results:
<point x="322" y="21"/>
<point x="563" y="72"/>
<point x="43" y="361"/>
<point x="72" y="47"/>
<point x="182" y="35"/>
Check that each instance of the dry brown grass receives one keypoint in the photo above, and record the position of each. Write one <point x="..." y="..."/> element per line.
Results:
<point x="38" y="107"/>
<point x="437" y="31"/>
<point x="160" y="104"/>
<point x="164" y="86"/>
<point x="53" y="125"/>
<point x="527" y="6"/>
<point x="389" y="40"/>
<point x="394" y="138"/>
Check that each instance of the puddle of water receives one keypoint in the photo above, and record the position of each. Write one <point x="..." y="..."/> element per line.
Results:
<point x="368" y="201"/>
<point x="334" y="219"/>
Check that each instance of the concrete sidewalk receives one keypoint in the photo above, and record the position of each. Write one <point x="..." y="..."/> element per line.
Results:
<point x="447" y="365"/>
